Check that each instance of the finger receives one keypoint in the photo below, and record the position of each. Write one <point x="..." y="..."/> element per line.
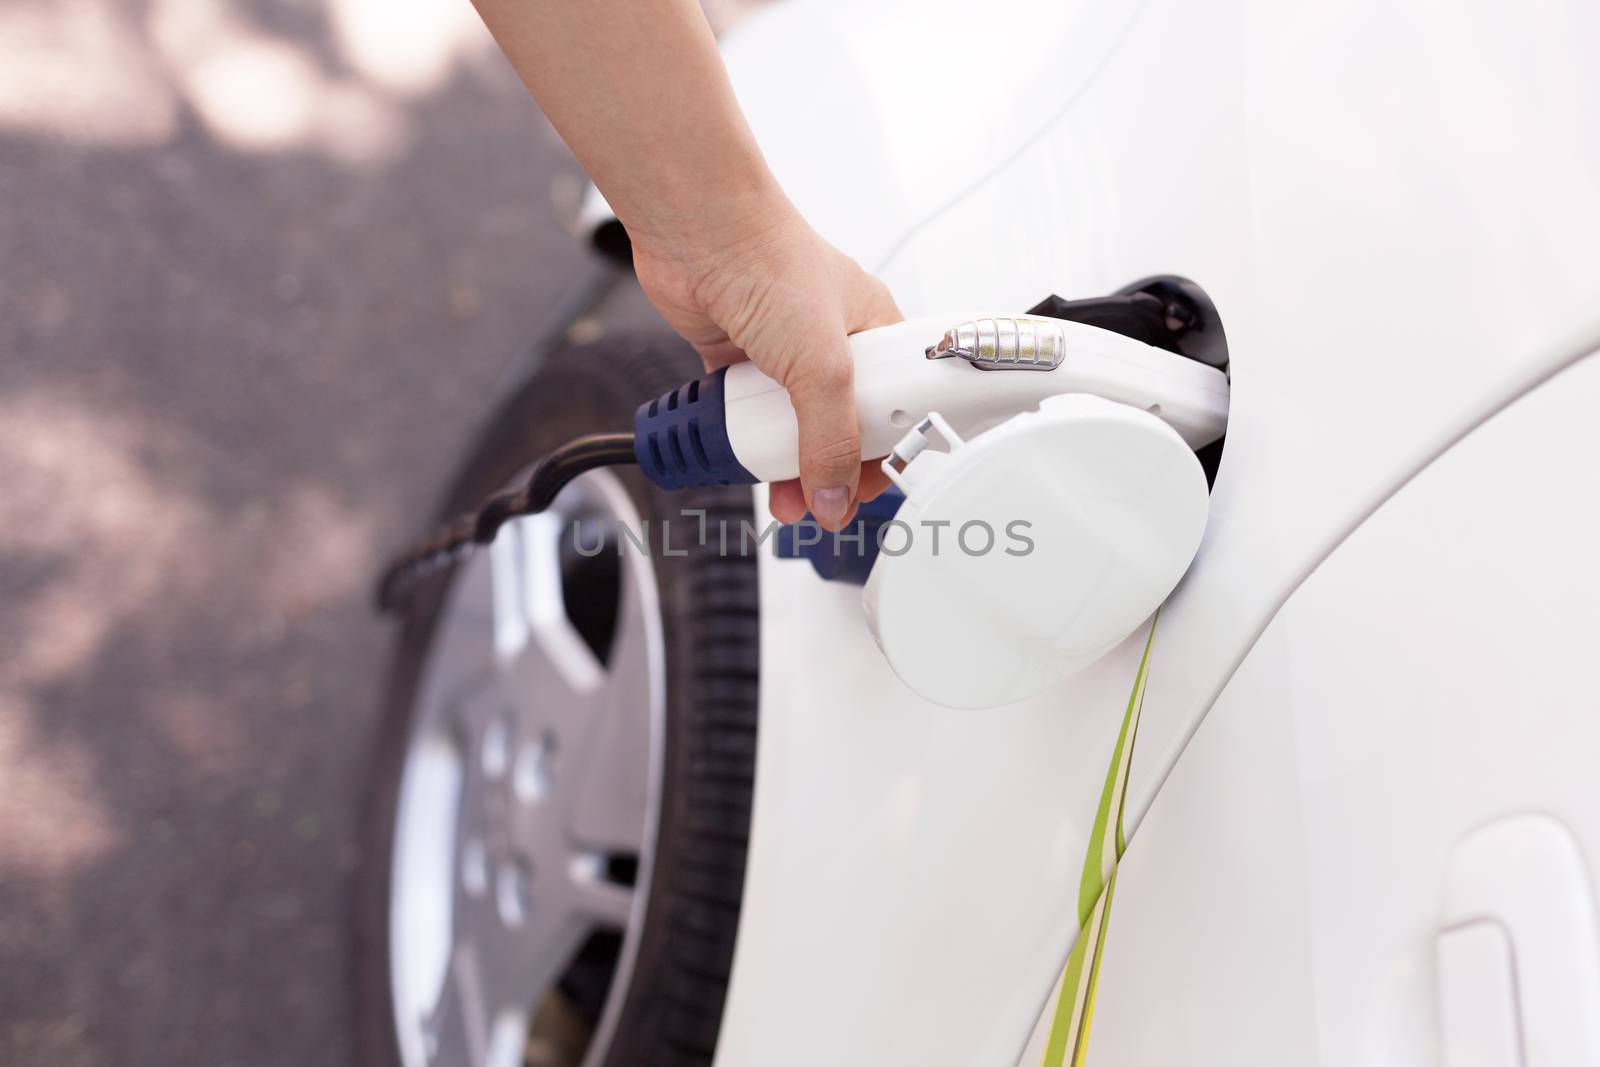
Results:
<point x="873" y="481"/>
<point x="822" y="389"/>
<point x="787" y="501"/>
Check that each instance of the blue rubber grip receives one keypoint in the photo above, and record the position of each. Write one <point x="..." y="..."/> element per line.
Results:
<point x="849" y="559"/>
<point x="681" y="438"/>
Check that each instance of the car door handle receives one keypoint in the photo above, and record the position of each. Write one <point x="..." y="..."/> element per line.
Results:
<point x="1518" y="950"/>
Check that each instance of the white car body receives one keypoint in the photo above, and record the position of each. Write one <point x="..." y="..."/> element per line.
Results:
<point x="1378" y="667"/>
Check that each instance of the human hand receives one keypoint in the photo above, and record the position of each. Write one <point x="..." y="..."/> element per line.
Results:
<point x="767" y="288"/>
<point x="717" y="246"/>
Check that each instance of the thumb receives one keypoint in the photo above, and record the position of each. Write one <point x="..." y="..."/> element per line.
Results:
<point x="822" y="389"/>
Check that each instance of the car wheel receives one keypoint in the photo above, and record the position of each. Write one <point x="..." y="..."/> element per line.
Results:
<point x="561" y="802"/>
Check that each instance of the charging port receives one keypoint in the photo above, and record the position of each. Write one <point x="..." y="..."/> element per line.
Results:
<point x="1164" y="311"/>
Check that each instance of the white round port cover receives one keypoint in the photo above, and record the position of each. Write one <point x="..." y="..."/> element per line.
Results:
<point x="1022" y="555"/>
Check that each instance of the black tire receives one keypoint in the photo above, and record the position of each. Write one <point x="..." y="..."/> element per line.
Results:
<point x="672" y="1008"/>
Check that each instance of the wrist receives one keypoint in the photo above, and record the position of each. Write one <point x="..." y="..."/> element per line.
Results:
<point x="705" y="222"/>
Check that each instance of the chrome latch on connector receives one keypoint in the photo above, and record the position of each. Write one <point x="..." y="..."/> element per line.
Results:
<point x="1004" y="344"/>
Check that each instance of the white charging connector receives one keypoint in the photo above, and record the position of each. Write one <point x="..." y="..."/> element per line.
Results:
<point x="901" y="374"/>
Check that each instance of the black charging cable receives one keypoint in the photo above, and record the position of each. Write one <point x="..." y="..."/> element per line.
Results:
<point x="462" y="535"/>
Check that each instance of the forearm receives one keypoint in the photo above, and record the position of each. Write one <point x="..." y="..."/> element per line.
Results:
<point x="638" y="91"/>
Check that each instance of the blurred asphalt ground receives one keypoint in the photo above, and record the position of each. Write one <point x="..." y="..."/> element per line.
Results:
<point x="264" y="268"/>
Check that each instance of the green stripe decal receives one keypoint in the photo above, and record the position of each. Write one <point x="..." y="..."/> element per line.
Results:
<point x="1094" y="974"/>
<point x="1069" y="1029"/>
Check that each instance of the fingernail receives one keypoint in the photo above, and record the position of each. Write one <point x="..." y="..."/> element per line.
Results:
<point x="830" y="505"/>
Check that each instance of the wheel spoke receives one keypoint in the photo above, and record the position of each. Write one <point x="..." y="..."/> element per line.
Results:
<point x="547" y="668"/>
<point x="457" y="1033"/>
<point x="505" y="961"/>
<point x="544" y="692"/>
<point x="607" y="904"/>
<point x="528" y="605"/>
<point x="611" y="788"/>
<point x="528" y="956"/>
